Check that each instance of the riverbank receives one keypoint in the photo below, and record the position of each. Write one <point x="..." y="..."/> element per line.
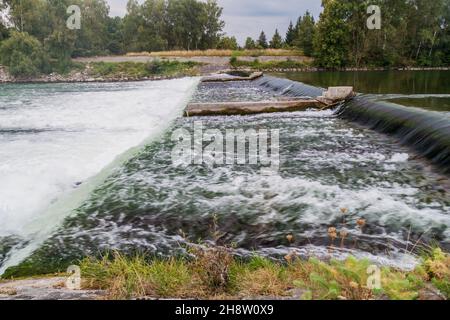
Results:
<point x="102" y="71"/>
<point x="147" y="66"/>
<point x="290" y="65"/>
<point x="213" y="273"/>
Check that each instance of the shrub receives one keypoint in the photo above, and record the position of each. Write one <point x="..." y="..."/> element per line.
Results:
<point x="24" y="55"/>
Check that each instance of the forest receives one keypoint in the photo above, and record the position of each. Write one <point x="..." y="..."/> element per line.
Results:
<point x="34" y="37"/>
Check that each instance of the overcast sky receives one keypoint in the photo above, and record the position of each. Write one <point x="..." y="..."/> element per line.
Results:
<point x="245" y="18"/>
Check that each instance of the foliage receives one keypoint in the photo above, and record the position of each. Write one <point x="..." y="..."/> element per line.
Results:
<point x="139" y="70"/>
<point x="23" y="55"/>
<point x="227" y="43"/>
<point x="436" y="264"/>
<point x="268" y="65"/>
<point x="250" y="43"/>
<point x="262" y="41"/>
<point x="172" y="24"/>
<point x="277" y="41"/>
<point x="213" y="272"/>
<point x="290" y="34"/>
<point x="304" y="36"/>
<point x="412" y="32"/>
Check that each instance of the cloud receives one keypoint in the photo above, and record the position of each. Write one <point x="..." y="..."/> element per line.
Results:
<point x="245" y="18"/>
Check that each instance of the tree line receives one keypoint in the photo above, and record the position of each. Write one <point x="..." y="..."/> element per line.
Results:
<point x="413" y="32"/>
<point x="34" y="38"/>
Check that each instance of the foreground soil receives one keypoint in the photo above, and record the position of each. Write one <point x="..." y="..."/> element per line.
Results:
<point x="45" y="288"/>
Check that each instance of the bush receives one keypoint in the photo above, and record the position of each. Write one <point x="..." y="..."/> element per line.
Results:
<point x="24" y="55"/>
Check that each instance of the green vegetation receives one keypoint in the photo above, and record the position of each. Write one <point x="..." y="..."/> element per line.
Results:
<point x="228" y="43"/>
<point x="214" y="273"/>
<point x="268" y="65"/>
<point x="262" y="41"/>
<point x="413" y="33"/>
<point x="24" y="55"/>
<point x="139" y="70"/>
<point x="39" y="27"/>
<point x="277" y="41"/>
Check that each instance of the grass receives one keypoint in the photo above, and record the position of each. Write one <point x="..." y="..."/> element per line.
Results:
<point x="140" y="70"/>
<point x="220" y="53"/>
<point x="268" y="65"/>
<point x="214" y="273"/>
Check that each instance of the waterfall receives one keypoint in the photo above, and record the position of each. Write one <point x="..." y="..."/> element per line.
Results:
<point x="427" y="132"/>
<point x="287" y="87"/>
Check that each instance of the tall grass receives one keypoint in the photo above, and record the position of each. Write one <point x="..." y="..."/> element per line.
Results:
<point x="215" y="273"/>
<point x="140" y="69"/>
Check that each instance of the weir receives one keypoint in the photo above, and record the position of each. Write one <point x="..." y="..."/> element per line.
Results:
<point x="286" y="96"/>
<point x="427" y="132"/>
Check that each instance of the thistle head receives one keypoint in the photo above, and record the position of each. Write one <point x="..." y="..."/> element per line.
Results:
<point x="332" y="233"/>
<point x="290" y="238"/>
<point x="361" y="222"/>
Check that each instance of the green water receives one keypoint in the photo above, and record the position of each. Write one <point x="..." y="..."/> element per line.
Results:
<point x="429" y="103"/>
<point x="379" y="82"/>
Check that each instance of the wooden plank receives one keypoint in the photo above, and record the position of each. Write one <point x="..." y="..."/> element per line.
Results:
<point x="254" y="107"/>
<point x="227" y="78"/>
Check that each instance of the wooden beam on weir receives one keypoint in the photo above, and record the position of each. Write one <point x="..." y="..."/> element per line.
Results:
<point x="252" y="107"/>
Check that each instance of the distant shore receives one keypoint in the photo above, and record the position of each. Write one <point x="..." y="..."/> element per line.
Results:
<point x="183" y="66"/>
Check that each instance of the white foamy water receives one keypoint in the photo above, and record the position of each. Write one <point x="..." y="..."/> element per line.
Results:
<point x="54" y="137"/>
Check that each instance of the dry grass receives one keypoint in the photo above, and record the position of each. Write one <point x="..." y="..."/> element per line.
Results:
<point x="215" y="274"/>
<point x="219" y="53"/>
<point x="8" y="291"/>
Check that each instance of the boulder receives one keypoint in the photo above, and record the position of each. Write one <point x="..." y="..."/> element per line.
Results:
<point x="336" y="94"/>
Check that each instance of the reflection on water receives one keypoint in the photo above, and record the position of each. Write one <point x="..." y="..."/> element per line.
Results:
<point x="378" y="82"/>
<point x="429" y="103"/>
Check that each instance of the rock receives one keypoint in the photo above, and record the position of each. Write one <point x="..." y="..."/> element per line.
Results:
<point x="336" y="94"/>
<point x="44" y="289"/>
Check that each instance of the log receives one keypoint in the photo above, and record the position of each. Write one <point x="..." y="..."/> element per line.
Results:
<point x="254" y="107"/>
<point x="226" y="77"/>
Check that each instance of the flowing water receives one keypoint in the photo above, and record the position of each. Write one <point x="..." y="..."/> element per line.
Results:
<point x="145" y="203"/>
<point x="421" y="89"/>
<point x="55" y="139"/>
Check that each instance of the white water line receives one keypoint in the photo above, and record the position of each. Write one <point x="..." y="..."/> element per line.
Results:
<point x="41" y="229"/>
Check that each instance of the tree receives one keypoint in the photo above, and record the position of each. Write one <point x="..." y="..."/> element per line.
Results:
<point x="290" y="34"/>
<point x="250" y="43"/>
<point x="92" y="38"/>
<point x="305" y="34"/>
<point x="23" y="55"/>
<point x="262" y="41"/>
<point x="115" y="35"/>
<point x="228" y="43"/>
<point x="277" y="41"/>
<point x="132" y="22"/>
<point x="213" y="25"/>
<point x="332" y="40"/>
<point x="297" y="26"/>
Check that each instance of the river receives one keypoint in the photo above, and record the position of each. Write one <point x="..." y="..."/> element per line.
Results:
<point x="72" y="184"/>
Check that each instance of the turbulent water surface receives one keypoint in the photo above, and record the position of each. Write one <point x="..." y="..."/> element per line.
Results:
<point x="50" y="143"/>
<point x="54" y="137"/>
